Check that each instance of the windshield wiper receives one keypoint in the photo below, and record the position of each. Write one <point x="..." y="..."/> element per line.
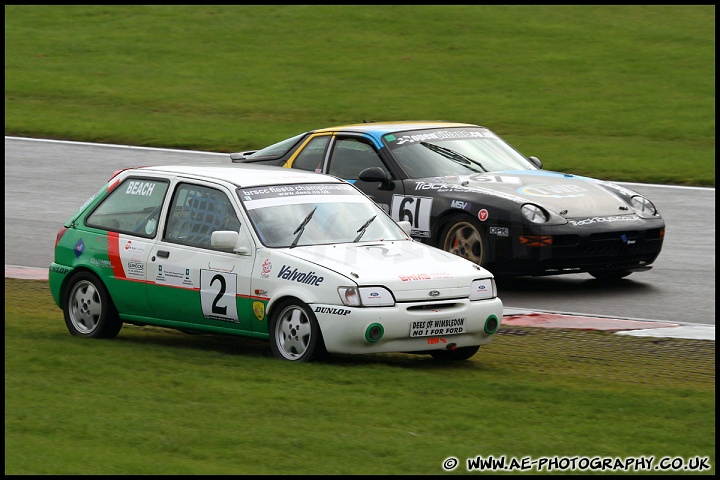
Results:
<point x="301" y="228"/>
<point x="453" y="155"/>
<point x="362" y="229"/>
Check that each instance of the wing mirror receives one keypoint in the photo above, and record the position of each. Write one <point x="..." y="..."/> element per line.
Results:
<point x="229" y="240"/>
<point x="406" y="226"/>
<point x="536" y="161"/>
<point x="239" y="157"/>
<point x="375" y="174"/>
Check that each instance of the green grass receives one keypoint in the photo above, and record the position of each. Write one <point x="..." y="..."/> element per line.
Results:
<point x="620" y="92"/>
<point x="156" y="401"/>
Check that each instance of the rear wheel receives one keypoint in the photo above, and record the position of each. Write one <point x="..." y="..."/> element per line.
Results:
<point x="462" y="353"/>
<point x="88" y="308"/>
<point x="463" y="237"/>
<point x="295" y="334"/>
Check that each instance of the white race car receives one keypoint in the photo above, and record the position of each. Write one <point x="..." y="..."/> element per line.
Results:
<point x="302" y="259"/>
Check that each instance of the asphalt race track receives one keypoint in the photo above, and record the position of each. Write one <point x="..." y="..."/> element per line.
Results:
<point x="47" y="181"/>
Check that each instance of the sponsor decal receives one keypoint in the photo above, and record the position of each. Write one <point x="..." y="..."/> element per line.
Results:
<point x="433" y="293"/>
<point x="483" y="215"/>
<point x="440" y="135"/>
<point x="332" y="311"/>
<point x="451" y="187"/>
<point x="101" y="262"/>
<point x="618" y="218"/>
<point x="266" y="268"/>
<point x="252" y="194"/>
<point x="423" y="328"/>
<point x="485" y="178"/>
<point x="553" y="191"/>
<point x="61" y="270"/>
<point x="309" y="278"/>
<point x="500" y="231"/>
<point x="101" y="243"/>
<point x="140" y="188"/>
<point x="261" y="293"/>
<point x="129" y="247"/>
<point x="135" y="269"/>
<point x="414" y="277"/>
<point x="441" y="187"/>
<point x="79" y="248"/>
<point x="174" y="277"/>
<point x="259" y="310"/>
<point x="460" y="204"/>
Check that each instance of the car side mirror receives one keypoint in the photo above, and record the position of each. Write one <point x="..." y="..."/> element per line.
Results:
<point x="239" y="157"/>
<point x="375" y="174"/>
<point x="406" y="226"/>
<point x="230" y="240"/>
<point x="536" y="161"/>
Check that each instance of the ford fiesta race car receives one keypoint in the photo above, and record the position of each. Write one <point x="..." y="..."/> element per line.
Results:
<point x="301" y="259"/>
<point x="465" y="190"/>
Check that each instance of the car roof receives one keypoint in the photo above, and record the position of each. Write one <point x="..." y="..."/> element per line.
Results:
<point x="242" y="175"/>
<point x="379" y="129"/>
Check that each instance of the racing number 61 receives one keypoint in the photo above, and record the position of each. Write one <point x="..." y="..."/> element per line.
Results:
<point x="415" y="210"/>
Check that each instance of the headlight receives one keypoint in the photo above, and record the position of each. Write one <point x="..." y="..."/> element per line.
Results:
<point x="482" y="289"/>
<point x="534" y="213"/>
<point x="366" y="296"/>
<point x="642" y="204"/>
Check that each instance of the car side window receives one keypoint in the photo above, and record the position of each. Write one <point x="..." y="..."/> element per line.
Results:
<point x="310" y="158"/>
<point x="351" y="156"/>
<point x="196" y="211"/>
<point x="133" y="207"/>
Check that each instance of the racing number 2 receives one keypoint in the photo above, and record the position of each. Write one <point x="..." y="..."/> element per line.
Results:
<point x="415" y="210"/>
<point x="218" y="295"/>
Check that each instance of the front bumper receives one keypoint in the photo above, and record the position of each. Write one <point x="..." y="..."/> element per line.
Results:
<point x="573" y="250"/>
<point x="350" y="330"/>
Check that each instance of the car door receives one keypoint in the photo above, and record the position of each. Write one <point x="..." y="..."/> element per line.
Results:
<point x="346" y="155"/>
<point x="191" y="282"/>
<point x="349" y="155"/>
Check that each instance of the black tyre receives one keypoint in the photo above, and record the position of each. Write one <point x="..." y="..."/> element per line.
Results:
<point x="462" y="353"/>
<point x="463" y="237"/>
<point x="610" y="274"/>
<point x="88" y="308"/>
<point x="295" y="334"/>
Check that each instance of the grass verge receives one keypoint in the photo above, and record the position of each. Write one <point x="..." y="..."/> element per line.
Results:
<point x="156" y="401"/>
<point x="619" y="92"/>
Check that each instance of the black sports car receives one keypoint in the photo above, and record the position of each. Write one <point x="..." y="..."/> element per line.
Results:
<point x="467" y="191"/>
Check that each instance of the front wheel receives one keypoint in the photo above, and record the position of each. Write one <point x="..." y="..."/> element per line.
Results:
<point x="462" y="236"/>
<point x="462" y="353"/>
<point x="295" y="334"/>
<point x="88" y="308"/>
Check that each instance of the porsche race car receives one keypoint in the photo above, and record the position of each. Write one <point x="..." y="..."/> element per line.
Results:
<point x="467" y="191"/>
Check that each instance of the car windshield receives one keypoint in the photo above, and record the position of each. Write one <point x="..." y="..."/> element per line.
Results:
<point x="277" y="150"/>
<point x="315" y="214"/>
<point x="453" y="151"/>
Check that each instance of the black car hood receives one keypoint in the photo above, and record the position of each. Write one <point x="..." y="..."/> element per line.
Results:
<point x="569" y="195"/>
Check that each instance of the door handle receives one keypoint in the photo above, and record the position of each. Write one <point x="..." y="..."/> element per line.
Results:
<point x="163" y="253"/>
